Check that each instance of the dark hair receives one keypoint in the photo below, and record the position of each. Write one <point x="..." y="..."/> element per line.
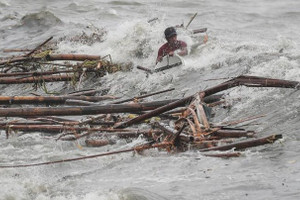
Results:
<point x="169" y="32"/>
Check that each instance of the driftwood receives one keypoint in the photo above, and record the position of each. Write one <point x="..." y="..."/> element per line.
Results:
<point x="249" y="81"/>
<point x="191" y="129"/>
<point x="39" y="79"/>
<point x="87" y="110"/>
<point x="21" y="125"/>
<point x="16" y="50"/>
<point x="246" y="144"/>
<point x="49" y="99"/>
<point x="34" y="73"/>
<point x="66" y="128"/>
<point x="72" y="57"/>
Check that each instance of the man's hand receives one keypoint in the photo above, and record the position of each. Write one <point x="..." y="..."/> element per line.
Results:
<point x="171" y="53"/>
<point x="159" y="59"/>
<point x="205" y="39"/>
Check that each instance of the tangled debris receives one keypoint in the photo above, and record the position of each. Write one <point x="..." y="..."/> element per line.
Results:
<point x="173" y="125"/>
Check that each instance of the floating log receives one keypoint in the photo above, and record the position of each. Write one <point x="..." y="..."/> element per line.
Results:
<point x="233" y="133"/>
<point x="246" y="144"/>
<point x="49" y="123"/>
<point x="61" y="128"/>
<point x="49" y="99"/>
<point x="74" y="57"/>
<point x="16" y="50"/>
<point x="86" y="110"/>
<point x="34" y="73"/>
<point x="38" y="79"/>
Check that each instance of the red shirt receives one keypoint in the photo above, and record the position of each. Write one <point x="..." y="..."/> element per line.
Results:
<point x="167" y="48"/>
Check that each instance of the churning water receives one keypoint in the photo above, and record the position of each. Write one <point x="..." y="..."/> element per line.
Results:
<point x="250" y="37"/>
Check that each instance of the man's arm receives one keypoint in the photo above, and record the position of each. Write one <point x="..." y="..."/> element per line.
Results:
<point x="183" y="49"/>
<point x="159" y="55"/>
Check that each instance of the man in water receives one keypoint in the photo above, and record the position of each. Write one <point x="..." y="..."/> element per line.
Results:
<point x="172" y="45"/>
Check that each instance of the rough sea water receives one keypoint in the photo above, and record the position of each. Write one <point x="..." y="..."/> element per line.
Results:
<point x="246" y="37"/>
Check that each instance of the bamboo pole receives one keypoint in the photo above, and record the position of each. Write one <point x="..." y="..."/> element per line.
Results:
<point x="34" y="73"/>
<point x="37" y="79"/>
<point x="85" y="110"/>
<point x="49" y="123"/>
<point x="15" y="50"/>
<point x="246" y="144"/>
<point x="50" y="99"/>
<point x="223" y="133"/>
<point x="61" y="128"/>
<point x="74" y="57"/>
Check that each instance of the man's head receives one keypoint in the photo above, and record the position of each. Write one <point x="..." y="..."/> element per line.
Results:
<point x="170" y="32"/>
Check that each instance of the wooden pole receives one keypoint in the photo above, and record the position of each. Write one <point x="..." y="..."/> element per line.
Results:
<point x="223" y="133"/>
<point x="37" y="79"/>
<point x="49" y="99"/>
<point x="34" y="73"/>
<point x="64" y="128"/>
<point x="246" y="144"/>
<point x="74" y="57"/>
<point x="85" y="110"/>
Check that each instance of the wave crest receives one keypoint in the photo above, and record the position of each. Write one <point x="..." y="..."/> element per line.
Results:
<point x="40" y="19"/>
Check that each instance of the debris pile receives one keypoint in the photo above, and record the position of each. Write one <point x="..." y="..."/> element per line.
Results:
<point x="174" y="125"/>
